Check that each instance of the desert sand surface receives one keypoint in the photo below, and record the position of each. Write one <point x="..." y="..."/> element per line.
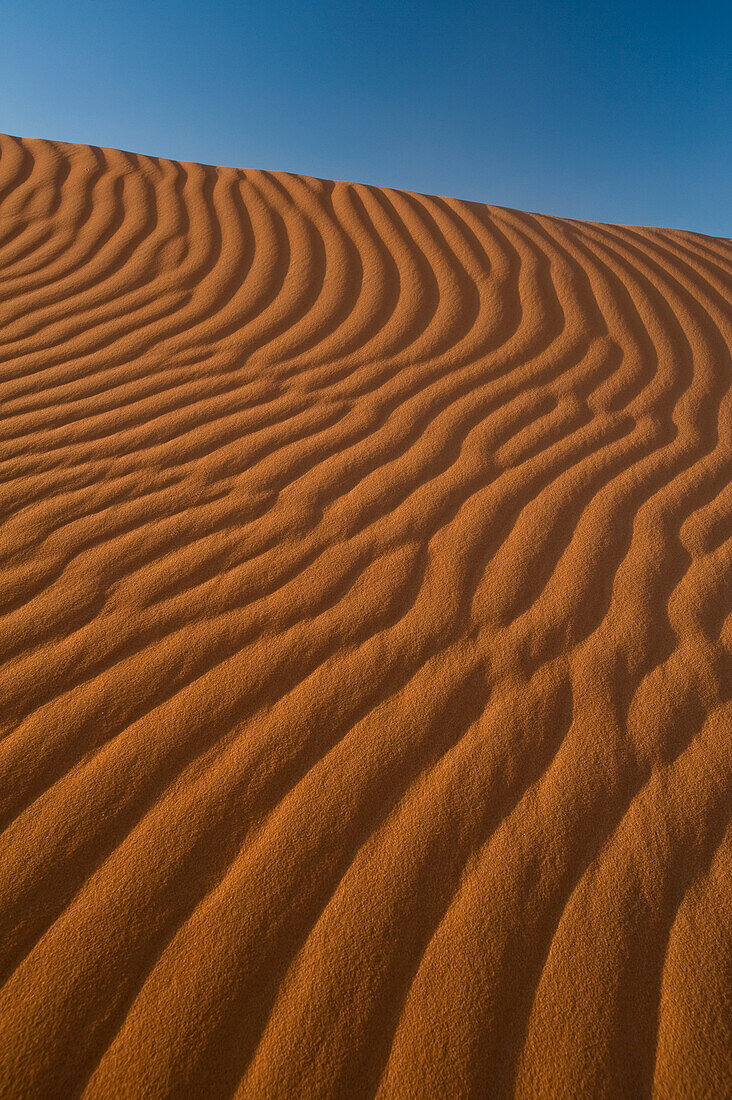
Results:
<point x="366" y="630"/>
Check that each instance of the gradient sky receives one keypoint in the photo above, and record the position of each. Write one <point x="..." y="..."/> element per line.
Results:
<point x="611" y="111"/>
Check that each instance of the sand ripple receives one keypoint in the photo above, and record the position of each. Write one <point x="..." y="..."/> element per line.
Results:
<point x="365" y="641"/>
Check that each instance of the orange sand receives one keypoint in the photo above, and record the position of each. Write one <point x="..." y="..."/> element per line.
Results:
<point x="366" y="630"/>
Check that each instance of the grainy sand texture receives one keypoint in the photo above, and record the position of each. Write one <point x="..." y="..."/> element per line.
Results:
<point x="366" y="640"/>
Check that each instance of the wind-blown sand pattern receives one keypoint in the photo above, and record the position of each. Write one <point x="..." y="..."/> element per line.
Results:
<point x="366" y="639"/>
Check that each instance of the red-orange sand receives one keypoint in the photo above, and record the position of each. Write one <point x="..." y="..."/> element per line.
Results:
<point x="366" y="637"/>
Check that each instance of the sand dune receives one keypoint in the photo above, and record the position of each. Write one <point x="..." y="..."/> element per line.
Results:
<point x="366" y="634"/>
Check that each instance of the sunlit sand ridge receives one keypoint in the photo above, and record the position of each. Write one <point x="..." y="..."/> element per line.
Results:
<point x="366" y="684"/>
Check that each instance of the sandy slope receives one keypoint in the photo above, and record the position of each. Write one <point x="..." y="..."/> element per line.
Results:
<point x="366" y="684"/>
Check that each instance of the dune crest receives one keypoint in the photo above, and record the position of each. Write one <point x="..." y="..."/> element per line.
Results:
<point x="366" y="632"/>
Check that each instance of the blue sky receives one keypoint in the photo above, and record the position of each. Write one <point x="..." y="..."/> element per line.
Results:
<point x="611" y="111"/>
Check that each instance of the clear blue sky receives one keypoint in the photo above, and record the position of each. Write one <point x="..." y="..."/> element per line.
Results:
<point x="612" y="111"/>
